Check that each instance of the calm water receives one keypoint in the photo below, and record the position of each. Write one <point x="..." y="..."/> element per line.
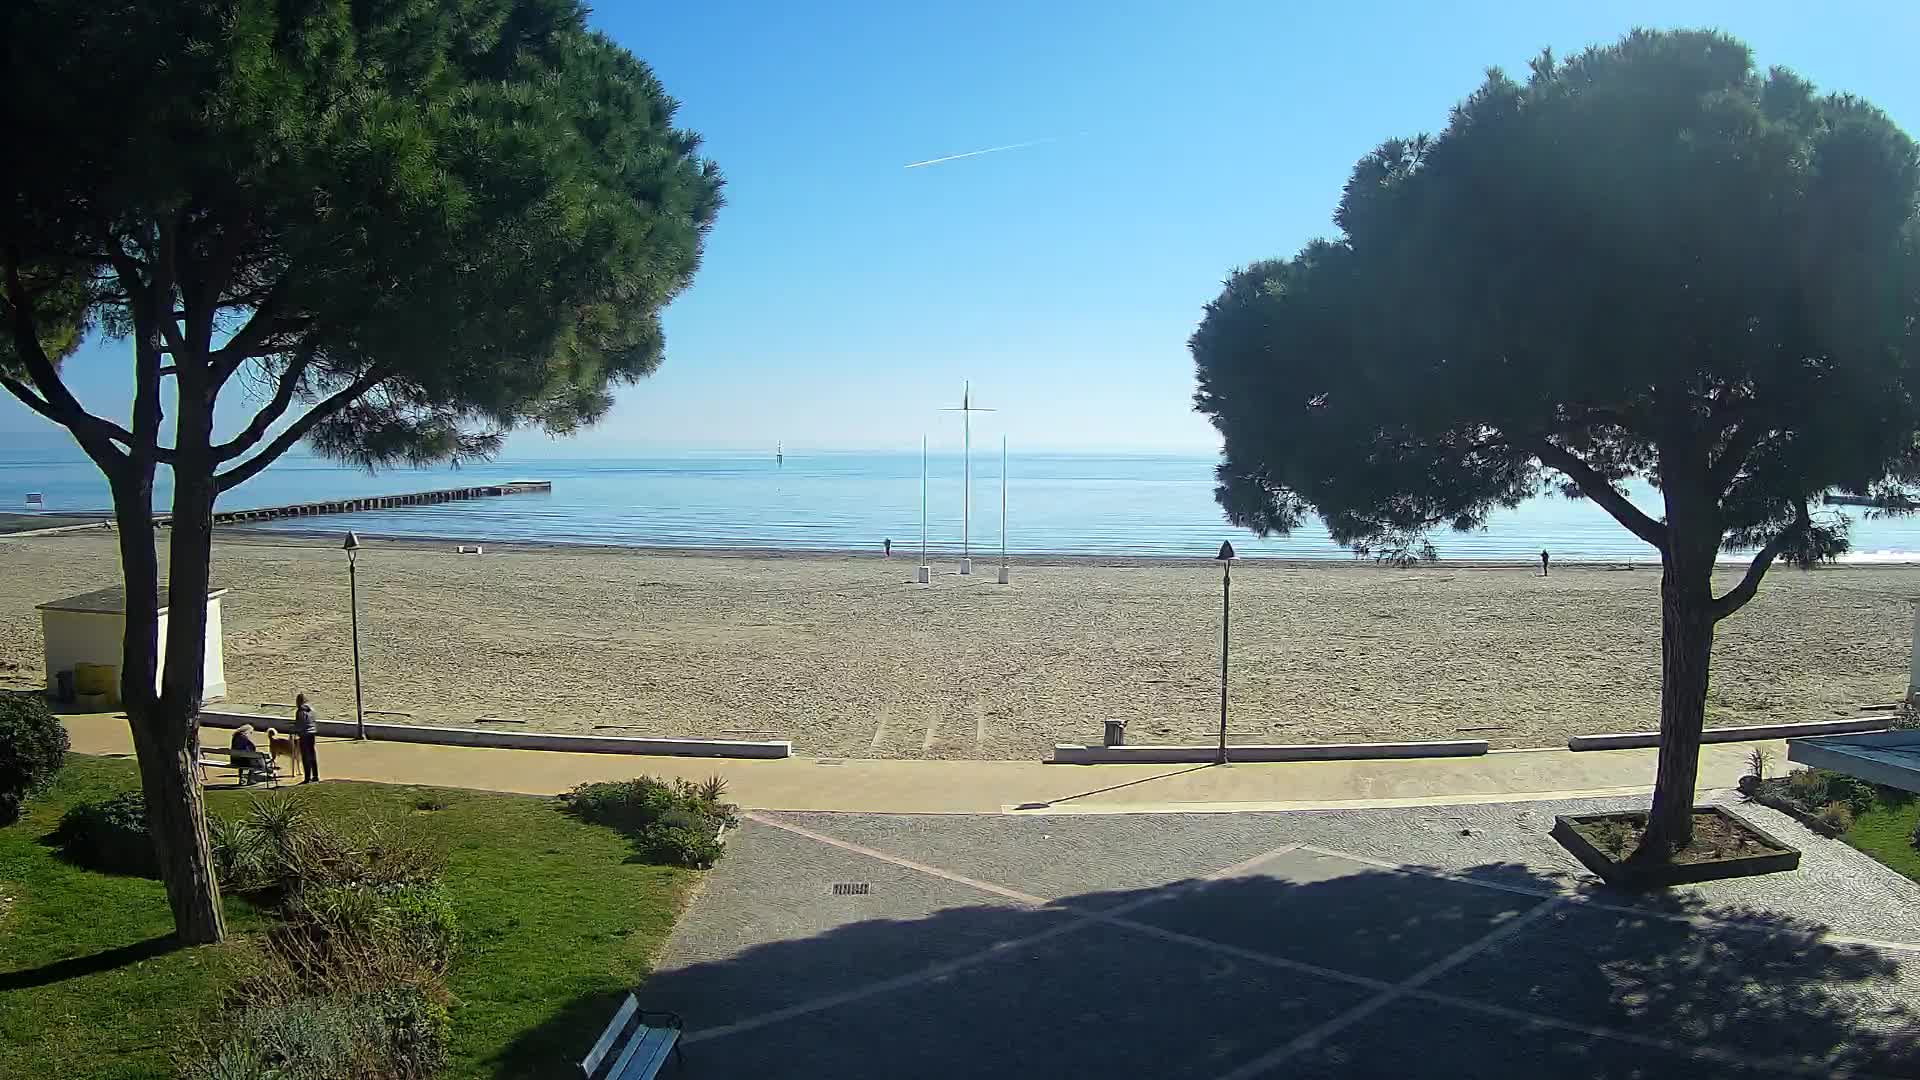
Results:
<point x="1057" y="504"/>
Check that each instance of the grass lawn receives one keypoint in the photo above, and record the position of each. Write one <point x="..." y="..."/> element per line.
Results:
<point x="1886" y="832"/>
<point x="556" y="923"/>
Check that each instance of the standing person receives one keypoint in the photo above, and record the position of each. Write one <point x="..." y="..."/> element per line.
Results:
<point x="1543" y="562"/>
<point x="308" y="731"/>
<point x="886" y="546"/>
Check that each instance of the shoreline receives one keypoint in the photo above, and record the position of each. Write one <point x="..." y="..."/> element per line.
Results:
<point x="847" y="657"/>
<point x="982" y="562"/>
<point x="307" y="537"/>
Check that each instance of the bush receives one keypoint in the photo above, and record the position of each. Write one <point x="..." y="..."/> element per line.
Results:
<point x="415" y="920"/>
<point x="1813" y="789"/>
<point x="672" y="823"/>
<point x="1836" y="816"/>
<point x="276" y="854"/>
<point x="349" y="983"/>
<point x="395" y="1033"/>
<point x="109" y="835"/>
<point x="33" y="747"/>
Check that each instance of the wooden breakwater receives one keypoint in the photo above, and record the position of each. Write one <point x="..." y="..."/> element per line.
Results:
<point x="373" y="502"/>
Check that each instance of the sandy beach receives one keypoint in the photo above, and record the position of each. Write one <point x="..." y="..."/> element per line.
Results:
<point x="848" y="658"/>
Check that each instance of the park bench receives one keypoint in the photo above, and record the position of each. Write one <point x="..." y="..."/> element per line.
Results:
<point x="635" y="1045"/>
<point x="249" y="767"/>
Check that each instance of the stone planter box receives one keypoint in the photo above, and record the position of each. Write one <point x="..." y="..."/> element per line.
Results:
<point x="1634" y="876"/>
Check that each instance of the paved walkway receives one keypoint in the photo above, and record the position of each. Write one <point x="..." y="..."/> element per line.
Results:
<point x="1024" y="787"/>
<point x="1400" y="943"/>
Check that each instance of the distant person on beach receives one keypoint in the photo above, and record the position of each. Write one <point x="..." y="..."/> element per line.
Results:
<point x="1543" y="562"/>
<point x="307" y="731"/>
<point x="886" y="546"/>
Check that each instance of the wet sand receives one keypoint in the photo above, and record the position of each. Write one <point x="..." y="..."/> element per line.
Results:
<point x="847" y="657"/>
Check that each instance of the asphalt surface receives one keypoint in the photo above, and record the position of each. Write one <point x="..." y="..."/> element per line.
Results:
<point x="1434" y="942"/>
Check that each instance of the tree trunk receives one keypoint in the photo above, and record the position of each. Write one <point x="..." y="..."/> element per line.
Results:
<point x="1686" y="650"/>
<point x="180" y="823"/>
<point x="165" y="741"/>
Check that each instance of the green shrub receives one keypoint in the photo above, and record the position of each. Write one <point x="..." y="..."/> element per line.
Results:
<point x="1808" y="786"/>
<point x="1615" y="836"/>
<point x="1836" y="816"/>
<point x="348" y="983"/>
<point x="1813" y="789"/>
<point x="668" y="822"/>
<point x="413" y="1031"/>
<point x="33" y="747"/>
<point x="417" y="920"/>
<point x="393" y="1033"/>
<point x="109" y="835"/>
<point x="276" y="853"/>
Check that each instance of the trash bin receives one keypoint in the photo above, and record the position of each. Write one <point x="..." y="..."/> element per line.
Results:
<point x="1116" y="732"/>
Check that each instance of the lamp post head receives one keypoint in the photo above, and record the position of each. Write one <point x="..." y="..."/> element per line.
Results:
<point x="1226" y="551"/>
<point x="351" y="545"/>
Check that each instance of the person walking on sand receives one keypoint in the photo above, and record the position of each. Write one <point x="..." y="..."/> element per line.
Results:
<point x="1543" y="562"/>
<point x="308" y="732"/>
<point x="886" y="546"/>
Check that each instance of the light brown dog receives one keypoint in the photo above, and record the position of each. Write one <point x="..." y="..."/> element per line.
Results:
<point x="278" y="744"/>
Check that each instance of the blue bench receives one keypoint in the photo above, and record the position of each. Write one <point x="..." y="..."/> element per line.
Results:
<point x="635" y="1045"/>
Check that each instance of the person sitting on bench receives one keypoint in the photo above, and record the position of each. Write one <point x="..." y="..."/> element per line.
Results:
<point x="243" y="740"/>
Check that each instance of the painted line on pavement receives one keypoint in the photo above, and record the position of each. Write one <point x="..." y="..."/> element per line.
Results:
<point x="1015" y="895"/>
<point x="1298" y="805"/>
<point x="1694" y="919"/>
<point x="1309" y="1039"/>
<point x="1409" y="988"/>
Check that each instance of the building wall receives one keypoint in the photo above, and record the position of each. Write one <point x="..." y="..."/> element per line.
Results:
<point x="77" y="637"/>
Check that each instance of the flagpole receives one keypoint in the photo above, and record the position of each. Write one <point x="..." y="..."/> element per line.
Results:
<point x="966" y="470"/>
<point x="921" y="575"/>
<point x="1003" y="510"/>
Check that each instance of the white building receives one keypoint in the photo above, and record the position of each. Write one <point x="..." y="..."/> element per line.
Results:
<point x="90" y="629"/>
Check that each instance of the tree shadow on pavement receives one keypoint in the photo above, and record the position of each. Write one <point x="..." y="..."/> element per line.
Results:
<point x="1202" y="977"/>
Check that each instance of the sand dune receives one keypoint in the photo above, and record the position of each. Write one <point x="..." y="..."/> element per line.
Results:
<point x="848" y="658"/>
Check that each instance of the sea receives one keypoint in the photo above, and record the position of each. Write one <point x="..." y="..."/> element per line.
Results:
<point x="1150" y="505"/>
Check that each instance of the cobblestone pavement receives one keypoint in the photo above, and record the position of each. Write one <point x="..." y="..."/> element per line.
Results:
<point x="1455" y="941"/>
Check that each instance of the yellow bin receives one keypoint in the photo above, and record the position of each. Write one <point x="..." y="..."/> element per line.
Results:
<point x="98" y="679"/>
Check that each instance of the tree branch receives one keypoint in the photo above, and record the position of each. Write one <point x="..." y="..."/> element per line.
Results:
<point x="1726" y="467"/>
<point x="276" y="408"/>
<point x="96" y="436"/>
<point x="297" y="430"/>
<point x="262" y="326"/>
<point x="1600" y="490"/>
<point x="1737" y="597"/>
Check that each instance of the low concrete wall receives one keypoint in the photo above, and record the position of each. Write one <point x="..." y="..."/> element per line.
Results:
<point x="516" y="740"/>
<point x="1076" y="754"/>
<point x="1635" y="740"/>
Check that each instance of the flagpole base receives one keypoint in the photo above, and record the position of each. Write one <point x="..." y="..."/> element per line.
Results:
<point x="966" y="567"/>
<point x="1003" y="575"/>
<point x="924" y="575"/>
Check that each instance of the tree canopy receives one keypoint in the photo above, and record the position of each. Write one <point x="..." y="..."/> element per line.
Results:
<point x="1645" y="261"/>
<point x="430" y="222"/>
<point x="401" y="228"/>
<point x="1648" y="261"/>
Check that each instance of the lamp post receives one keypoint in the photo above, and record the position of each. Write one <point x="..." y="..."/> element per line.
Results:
<point x="352" y="548"/>
<point x="1225" y="559"/>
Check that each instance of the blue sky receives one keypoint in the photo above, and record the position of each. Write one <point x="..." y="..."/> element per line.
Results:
<point x="844" y="298"/>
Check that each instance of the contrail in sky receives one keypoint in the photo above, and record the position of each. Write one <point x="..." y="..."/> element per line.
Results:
<point x="977" y="153"/>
